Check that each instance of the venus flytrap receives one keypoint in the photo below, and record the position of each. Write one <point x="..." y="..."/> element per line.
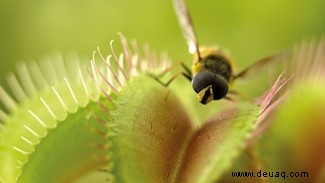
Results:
<point x="41" y="130"/>
<point x="111" y="118"/>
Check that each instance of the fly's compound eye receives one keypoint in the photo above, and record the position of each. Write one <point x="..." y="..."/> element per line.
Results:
<point x="204" y="79"/>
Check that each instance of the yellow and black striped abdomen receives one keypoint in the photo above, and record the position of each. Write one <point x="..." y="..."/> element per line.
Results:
<point x="219" y="66"/>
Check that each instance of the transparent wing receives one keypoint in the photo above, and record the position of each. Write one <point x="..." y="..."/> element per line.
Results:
<point x="186" y="24"/>
<point x="265" y="62"/>
<point x="255" y="79"/>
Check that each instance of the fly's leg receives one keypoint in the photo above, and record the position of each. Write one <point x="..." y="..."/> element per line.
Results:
<point x="187" y="70"/>
<point x="170" y="81"/>
<point x="166" y="84"/>
<point x="187" y="74"/>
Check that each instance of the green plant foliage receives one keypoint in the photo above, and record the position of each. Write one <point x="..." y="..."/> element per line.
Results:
<point x="213" y="147"/>
<point x="110" y="121"/>
<point x="43" y="132"/>
<point x="153" y="130"/>
<point x="113" y="119"/>
<point x="297" y="135"/>
<point x="72" y="149"/>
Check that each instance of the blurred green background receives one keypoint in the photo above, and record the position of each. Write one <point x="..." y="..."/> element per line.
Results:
<point x="250" y="29"/>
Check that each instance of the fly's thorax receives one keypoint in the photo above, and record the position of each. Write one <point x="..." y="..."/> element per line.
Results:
<point x="214" y="60"/>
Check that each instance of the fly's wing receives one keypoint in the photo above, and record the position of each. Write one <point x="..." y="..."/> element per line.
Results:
<point x="254" y="80"/>
<point x="262" y="63"/>
<point x="186" y="24"/>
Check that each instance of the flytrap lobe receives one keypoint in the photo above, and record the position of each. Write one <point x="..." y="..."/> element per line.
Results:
<point x="57" y="111"/>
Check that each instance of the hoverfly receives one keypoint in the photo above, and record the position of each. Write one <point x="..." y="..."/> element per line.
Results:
<point x="212" y="72"/>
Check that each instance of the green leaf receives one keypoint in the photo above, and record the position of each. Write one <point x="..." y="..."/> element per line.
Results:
<point x="54" y="135"/>
<point x="156" y="141"/>
<point x="152" y="129"/>
<point x="214" y="146"/>
<point x="69" y="151"/>
<point x="297" y="135"/>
